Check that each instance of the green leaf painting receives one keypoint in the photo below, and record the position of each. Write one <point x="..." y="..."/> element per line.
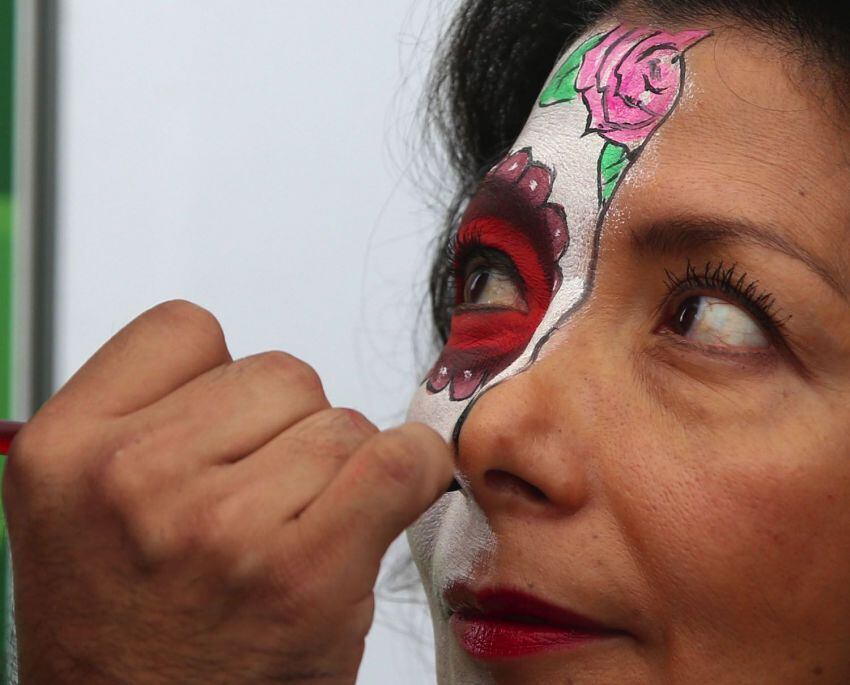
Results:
<point x="613" y="161"/>
<point x="562" y="87"/>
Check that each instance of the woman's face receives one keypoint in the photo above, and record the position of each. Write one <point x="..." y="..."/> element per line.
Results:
<point x="653" y="425"/>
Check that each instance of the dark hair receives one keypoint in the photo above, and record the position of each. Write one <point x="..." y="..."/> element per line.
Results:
<point x="497" y="53"/>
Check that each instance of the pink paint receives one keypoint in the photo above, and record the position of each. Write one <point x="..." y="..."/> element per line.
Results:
<point x="630" y="81"/>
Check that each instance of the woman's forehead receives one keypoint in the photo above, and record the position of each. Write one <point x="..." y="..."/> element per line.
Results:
<point x="747" y="139"/>
<point x="637" y="142"/>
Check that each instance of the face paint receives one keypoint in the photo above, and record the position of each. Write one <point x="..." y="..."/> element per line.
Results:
<point x="544" y="207"/>
<point x="510" y="213"/>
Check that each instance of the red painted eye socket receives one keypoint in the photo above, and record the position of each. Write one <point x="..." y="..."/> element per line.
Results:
<point x="533" y="275"/>
<point x="497" y="331"/>
<point x="485" y="340"/>
<point x="510" y="216"/>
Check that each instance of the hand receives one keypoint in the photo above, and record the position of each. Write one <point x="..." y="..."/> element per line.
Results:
<point x="179" y="517"/>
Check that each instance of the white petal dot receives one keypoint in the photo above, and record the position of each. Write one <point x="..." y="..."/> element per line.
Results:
<point x="467" y="375"/>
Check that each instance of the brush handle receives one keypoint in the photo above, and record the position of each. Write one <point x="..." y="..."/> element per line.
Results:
<point x="8" y="431"/>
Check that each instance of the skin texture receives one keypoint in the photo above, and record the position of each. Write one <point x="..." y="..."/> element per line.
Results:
<point x="694" y="495"/>
<point x="233" y="521"/>
<point x="691" y="495"/>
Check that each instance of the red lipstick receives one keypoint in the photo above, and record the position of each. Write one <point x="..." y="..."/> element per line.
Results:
<point x="498" y="624"/>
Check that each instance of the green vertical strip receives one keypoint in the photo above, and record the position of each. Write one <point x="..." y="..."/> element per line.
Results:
<point x="5" y="312"/>
<point x="7" y="34"/>
<point x="7" y="113"/>
<point x="5" y="411"/>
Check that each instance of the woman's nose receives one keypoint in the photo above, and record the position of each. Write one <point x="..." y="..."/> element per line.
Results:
<point x="521" y="446"/>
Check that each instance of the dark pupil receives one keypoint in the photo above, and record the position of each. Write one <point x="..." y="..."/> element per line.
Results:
<point x="476" y="285"/>
<point x="687" y="314"/>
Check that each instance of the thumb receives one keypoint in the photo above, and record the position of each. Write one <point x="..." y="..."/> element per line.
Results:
<point x="387" y="483"/>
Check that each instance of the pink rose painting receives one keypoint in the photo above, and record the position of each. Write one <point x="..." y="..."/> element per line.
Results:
<point x="629" y="80"/>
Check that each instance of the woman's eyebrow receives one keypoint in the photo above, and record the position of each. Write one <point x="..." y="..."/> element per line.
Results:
<point x="678" y="236"/>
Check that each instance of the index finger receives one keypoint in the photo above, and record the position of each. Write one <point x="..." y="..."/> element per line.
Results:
<point x="385" y="486"/>
<point x="156" y="353"/>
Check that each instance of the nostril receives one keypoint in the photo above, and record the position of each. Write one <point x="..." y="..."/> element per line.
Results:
<point x="507" y="482"/>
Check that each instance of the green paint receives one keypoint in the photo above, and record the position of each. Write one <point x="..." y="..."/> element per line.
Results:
<point x="6" y="276"/>
<point x="7" y="113"/>
<point x="613" y="161"/>
<point x="5" y="305"/>
<point x="7" y="75"/>
<point x="5" y="321"/>
<point x="562" y="87"/>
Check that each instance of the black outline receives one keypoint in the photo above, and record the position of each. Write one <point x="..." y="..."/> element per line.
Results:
<point x="488" y="370"/>
<point x="594" y="256"/>
<point x="602" y="37"/>
<point x="604" y="89"/>
<point x="630" y="156"/>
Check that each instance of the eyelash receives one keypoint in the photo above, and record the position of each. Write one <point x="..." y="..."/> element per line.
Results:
<point x="717" y="278"/>
<point x="459" y="253"/>
<point x="726" y="280"/>
<point x="455" y="251"/>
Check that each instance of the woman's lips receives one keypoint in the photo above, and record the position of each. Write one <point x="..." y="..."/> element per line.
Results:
<point x="495" y="624"/>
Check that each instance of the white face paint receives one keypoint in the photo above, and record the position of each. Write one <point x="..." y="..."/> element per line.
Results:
<point x="544" y="206"/>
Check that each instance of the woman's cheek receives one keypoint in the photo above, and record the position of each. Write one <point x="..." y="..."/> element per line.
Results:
<point x="741" y="528"/>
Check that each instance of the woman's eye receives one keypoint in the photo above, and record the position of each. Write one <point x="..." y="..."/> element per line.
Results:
<point x="491" y="286"/>
<point x="712" y="321"/>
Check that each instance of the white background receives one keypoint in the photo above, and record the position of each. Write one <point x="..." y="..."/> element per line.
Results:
<point x="254" y="156"/>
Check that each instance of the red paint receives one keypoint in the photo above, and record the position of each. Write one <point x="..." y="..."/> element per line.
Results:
<point x="496" y="330"/>
<point x="499" y="624"/>
<point x="511" y="214"/>
<point x="535" y="268"/>
<point x="8" y="430"/>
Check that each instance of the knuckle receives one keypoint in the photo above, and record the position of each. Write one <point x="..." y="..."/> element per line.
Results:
<point x="50" y="465"/>
<point x="154" y="536"/>
<point x="197" y="326"/>
<point x="182" y="310"/>
<point x="118" y="481"/>
<point x="150" y="539"/>
<point x="28" y="442"/>
<point x="119" y="486"/>
<point x="160" y="529"/>
<point x="28" y="448"/>
<point x="288" y="369"/>
<point x="38" y="441"/>
<point x="37" y="455"/>
<point x="211" y="531"/>
<point x="357" y="420"/>
<point x="338" y="421"/>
